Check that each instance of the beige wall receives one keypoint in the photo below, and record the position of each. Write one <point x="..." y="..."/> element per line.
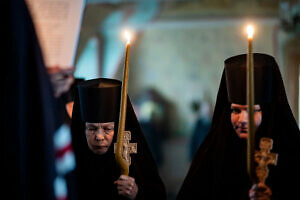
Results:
<point x="289" y="45"/>
<point x="184" y="60"/>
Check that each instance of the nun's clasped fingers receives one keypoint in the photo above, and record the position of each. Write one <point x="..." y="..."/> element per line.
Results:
<point x="126" y="186"/>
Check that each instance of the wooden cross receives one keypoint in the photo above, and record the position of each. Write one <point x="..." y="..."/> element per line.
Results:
<point x="128" y="148"/>
<point x="264" y="158"/>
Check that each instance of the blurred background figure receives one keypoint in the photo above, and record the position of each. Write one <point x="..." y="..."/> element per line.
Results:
<point x="148" y="110"/>
<point x="152" y="114"/>
<point x="61" y="79"/>
<point x="202" y="111"/>
<point x="58" y="35"/>
<point x="67" y="99"/>
<point x="29" y="111"/>
<point x="65" y="185"/>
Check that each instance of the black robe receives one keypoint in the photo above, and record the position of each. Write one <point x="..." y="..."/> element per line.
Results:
<point x="218" y="170"/>
<point x="97" y="173"/>
<point x="29" y="117"/>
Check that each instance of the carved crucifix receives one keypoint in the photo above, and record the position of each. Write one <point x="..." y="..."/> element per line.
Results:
<point x="263" y="158"/>
<point x="128" y="147"/>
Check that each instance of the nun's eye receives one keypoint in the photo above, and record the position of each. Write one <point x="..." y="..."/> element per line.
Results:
<point x="235" y="110"/>
<point x="108" y="129"/>
<point x="257" y="110"/>
<point x="91" y="128"/>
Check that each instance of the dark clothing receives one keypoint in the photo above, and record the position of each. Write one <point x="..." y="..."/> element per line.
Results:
<point x="96" y="173"/>
<point x="218" y="170"/>
<point x="28" y="112"/>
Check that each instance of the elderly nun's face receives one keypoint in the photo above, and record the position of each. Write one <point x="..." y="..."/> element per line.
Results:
<point x="99" y="136"/>
<point x="239" y="119"/>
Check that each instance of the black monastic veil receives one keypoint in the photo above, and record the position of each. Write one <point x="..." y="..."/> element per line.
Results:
<point x="218" y="170"/>
<point x="96" y="174"/>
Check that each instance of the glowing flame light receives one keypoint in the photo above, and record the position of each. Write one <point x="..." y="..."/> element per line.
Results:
<point x="127" y="36"/>
<point x="250" y="31"/>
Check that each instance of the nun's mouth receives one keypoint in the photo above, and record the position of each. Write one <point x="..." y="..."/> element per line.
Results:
<point x="243" y="135"/>
<point x="244" y="130"/>
<point x="99" y="146"/>
<point x="241" y="129"/>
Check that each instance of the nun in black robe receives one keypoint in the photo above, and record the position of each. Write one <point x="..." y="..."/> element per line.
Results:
<point x="218" y="170"/>
<point x="29" y="117"/>
<point x="98" y="101"/>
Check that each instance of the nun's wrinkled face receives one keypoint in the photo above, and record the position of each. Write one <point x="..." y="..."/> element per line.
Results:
<point x="99" y="136"/>
<point x="239" y="119"/>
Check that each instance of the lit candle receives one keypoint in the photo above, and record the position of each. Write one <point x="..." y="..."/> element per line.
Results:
<point x="122" y="118"/>
<point x="127" y="36"/>
<point x="250" y="102"/>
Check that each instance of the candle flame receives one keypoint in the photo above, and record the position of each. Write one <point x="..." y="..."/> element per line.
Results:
<point x="127" y="36"/>
<point x="250" y="31"/>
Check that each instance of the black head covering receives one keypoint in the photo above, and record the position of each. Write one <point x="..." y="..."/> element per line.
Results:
<point x="236" y="78"/>
<point x="28" y="112"/>
<point x="219" y="168"/>
<point x="100" y="100"/>
<point x="96" y="173"/>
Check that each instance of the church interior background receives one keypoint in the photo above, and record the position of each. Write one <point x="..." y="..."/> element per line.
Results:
<point x="177" y="56"/>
